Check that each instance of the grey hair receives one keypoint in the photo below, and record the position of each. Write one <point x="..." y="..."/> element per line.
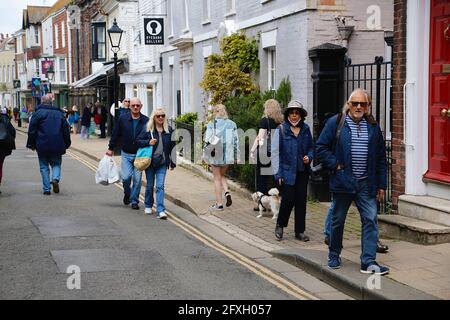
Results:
<point x="47" y="99"/>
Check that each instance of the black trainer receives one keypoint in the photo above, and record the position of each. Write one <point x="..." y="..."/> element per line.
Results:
<point x="228" y="196"/>
<point x="126" y="200"/>
<point x="302" y="237"/>
<point x="279" y="232"/>
<point x="382" y="248"/>
<point x="55" y="184"/>
<point x="135" y="206"/>
<point x="47" y="193"/>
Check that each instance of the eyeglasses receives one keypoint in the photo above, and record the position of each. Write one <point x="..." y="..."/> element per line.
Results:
<point x="356" y="103"/>
<point x="160" y="116"/>
<point x="135" y="105"/>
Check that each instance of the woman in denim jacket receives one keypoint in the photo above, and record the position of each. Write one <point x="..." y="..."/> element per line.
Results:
<point x="158" y="135"/>
<point x="221" y="150"/>
<point x="291" y="160"/>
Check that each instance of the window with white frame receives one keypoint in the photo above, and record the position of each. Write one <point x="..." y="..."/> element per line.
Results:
<point x="231" y="6"/>
<point x="36" y="35"/>
<point x="99" y="41"/>
<point x="271" y="68"/>
<point x="62" y="70"/>
<point x="206" y="11"/>
<point x="63" y="35"/>
<point x="56" y="36"/>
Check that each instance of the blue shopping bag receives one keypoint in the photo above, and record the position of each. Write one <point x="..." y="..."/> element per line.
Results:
<point x="143" y="158"/>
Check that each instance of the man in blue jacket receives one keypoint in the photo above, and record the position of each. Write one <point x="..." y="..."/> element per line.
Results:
<point x="128" y="128"/>
<point x="49" y="135"/>
<point x="357" y="161"/>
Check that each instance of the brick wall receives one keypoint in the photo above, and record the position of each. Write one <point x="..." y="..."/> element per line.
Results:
<point x="399" y="78"/>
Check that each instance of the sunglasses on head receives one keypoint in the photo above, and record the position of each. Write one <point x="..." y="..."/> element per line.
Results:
<point x="356" y="103"/>
<point x="160" y="116"/>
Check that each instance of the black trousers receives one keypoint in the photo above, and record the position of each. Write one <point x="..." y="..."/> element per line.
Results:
<point x="294" y="196"/>
<point x="263" y="180"/>
<point x="102" y="129"/>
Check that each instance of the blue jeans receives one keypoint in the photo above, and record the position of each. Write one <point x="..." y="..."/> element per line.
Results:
<point x="130" y="172"/>
<point x="160" y="174"/>
<point x="327" y="228"/>
<point x="367" y="207"/>
<point x="44" y="165"/>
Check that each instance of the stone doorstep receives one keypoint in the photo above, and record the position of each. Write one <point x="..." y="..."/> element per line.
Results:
<point x="425" y="208"/>
<point x="348" y="278"/>
<point x="413" y="230"/>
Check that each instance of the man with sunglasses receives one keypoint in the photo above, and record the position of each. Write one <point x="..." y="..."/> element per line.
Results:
<point x="358" y="165"/>
<point x="128" y="129"/>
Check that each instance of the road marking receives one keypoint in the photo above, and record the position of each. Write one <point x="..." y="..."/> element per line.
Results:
<point x="260" y="270"/>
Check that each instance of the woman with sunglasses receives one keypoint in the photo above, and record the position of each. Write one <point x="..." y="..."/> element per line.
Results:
<point x="158" y="135"/>
<point x="291" y="160"/>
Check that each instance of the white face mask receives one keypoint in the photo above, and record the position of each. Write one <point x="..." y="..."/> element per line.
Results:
<point x="294" y="124"/>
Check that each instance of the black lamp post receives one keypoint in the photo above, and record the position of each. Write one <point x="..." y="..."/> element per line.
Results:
<point x="115" y="36"/>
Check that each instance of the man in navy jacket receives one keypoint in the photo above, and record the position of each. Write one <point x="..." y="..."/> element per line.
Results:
<point x="128" y="129"/>
<point x="358" y="173"/>
<point x="49" y="135"/>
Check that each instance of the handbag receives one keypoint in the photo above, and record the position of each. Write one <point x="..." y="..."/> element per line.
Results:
<point x="143" y="158"/>
<point x="212" y="143"/>
<point x="158" y="159"/>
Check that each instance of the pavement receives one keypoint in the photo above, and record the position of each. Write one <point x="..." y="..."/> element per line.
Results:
<point x="417" y="271"/>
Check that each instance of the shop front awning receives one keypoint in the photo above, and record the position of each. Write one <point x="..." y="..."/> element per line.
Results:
<point x="95" y="78"/>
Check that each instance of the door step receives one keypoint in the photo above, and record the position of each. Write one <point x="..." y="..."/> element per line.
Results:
<point x="413" y="230"/>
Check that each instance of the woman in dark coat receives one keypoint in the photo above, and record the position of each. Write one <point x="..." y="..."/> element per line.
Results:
<point x="291" y="162"/>
<point x="7" y="139"/>
<point x="86" y="121"/>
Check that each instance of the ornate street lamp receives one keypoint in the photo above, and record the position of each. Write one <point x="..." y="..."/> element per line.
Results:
<point x="115" y="36"/>
<point x="50" y="74"/>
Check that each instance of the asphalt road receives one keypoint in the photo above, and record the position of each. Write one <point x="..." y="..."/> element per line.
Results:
<point x="122" y="253"/>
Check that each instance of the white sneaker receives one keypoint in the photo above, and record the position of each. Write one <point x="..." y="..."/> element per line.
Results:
<point x="216" y="207"/>
<point x="148" y="211"/>
<point x="162" y="215"/>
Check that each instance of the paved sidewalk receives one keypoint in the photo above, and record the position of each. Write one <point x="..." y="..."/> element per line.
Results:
<point x="425" y="268"/>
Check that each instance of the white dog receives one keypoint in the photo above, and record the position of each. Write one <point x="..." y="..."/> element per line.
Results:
<point x="270" y="202"/>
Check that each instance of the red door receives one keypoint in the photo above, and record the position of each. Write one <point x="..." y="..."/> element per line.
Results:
<point x="439" y="101"/>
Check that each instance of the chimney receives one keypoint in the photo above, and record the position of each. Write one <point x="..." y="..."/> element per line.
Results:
<point x="7" y="36"/>
<point x="1" y="35"/>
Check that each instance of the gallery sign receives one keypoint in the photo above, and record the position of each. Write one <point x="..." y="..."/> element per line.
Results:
<point x="154" y="31"/>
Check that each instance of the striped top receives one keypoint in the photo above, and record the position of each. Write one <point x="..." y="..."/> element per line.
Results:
<point x="360" y="146"/>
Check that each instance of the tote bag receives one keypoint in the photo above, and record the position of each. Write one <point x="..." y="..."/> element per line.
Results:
<point x="143" y="158"/>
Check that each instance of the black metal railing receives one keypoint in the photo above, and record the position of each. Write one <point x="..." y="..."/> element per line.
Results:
<point x="376" y="78"/>
<point x="190" y="128"/>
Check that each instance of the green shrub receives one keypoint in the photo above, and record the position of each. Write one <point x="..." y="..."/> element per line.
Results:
<point x="188" y="118"/>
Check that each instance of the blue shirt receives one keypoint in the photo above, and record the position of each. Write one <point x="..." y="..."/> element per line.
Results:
<point x="360" y="146"/>
<point x="135" y="123"/>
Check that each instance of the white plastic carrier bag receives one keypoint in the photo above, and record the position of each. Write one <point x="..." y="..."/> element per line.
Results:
<point x="107" y="171"/>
